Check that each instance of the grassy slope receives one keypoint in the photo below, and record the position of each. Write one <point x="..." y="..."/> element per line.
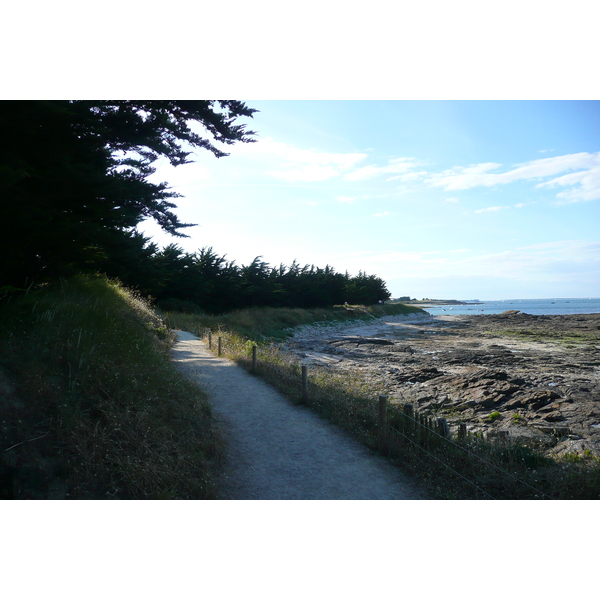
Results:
<point x="260" y="324"/>
<point x="91" y="405"/>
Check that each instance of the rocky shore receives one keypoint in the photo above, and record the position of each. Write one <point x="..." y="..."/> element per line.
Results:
<point x="531" y="379"/>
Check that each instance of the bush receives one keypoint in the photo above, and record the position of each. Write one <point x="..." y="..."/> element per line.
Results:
<point x="183" y="306"/>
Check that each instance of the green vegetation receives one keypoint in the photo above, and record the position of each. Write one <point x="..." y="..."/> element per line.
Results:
<point x="569" y="340"/>
<point x="260" y="324"/>
<point x="91" y="405"/>
<point x="203" y="281"/>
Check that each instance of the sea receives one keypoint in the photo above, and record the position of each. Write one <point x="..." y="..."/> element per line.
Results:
<point x="543" y="306"/>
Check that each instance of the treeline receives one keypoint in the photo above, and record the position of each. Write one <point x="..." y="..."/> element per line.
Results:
<point x="74" y="186"/>
<point x="205" y="281"/>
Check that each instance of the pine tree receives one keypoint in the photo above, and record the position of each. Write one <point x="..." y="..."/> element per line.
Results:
<point x="74" y="176"/>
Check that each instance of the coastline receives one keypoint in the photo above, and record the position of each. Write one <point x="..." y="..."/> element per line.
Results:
<point x="532" y="378"/>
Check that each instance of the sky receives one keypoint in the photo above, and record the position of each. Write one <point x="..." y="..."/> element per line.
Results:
<point x="442" y="199"/>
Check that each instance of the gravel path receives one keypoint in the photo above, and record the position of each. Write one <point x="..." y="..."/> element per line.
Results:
<point x="279" y="451"/>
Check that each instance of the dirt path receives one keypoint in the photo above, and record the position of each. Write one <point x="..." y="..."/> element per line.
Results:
<point x="278" y="451"/>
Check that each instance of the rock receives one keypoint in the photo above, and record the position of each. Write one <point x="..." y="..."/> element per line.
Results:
<point x="361" y="340"/>
<point x="513" y="373"/>
<point x="533" y="400"/>
<point x="555" y="430"/>
<point x="553" y="417"/>
<point x="418" y="375"/>
<point x="487" y="374"/>
<point x="407" y="349"/>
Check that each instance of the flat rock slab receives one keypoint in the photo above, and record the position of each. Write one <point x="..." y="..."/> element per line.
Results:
<point x="279" y="451"/>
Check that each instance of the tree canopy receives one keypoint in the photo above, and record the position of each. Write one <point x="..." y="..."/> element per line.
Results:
<point x="74" y="176"/>
<point x="205" y="281"/>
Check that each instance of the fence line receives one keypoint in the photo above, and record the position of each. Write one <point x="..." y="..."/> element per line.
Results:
<point x="446" y="439"/>
<point x="418" y="429"/>
<point x="444" y="464"/>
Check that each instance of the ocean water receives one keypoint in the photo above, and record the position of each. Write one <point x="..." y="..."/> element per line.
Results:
<point x="543" y="306"/>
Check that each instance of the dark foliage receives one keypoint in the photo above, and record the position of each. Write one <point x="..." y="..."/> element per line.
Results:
<point x="74" y="178"/>
<point x="74" y="186"/>
<point x="217" y="286"/>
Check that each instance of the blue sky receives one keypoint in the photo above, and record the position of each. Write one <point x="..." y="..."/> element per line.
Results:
<point x="495" y="197"/>
<point x="460" y="199"/>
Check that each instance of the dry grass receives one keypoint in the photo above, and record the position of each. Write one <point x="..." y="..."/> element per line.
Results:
<point x="276" y="323"/>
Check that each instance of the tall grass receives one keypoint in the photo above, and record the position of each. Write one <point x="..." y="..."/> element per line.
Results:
<point x="93" y="407"/>
<point x="276" y="323"/>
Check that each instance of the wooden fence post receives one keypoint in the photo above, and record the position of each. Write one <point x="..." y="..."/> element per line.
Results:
<point x="304" y="384"/>
<point x="219" y="346"/>
<point x="443" y="428"/>
<point x="382" y="422"/>
<point x="409" y="420"/>
<point x="423" y="428"/>
<point x="254" y="359"/>
<point x="209" y="339"/>
<point x="462" y="431"/>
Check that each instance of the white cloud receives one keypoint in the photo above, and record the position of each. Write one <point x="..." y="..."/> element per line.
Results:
<point x="297" y="164"/>
<point x="345" y="199"/>
<point x="490" y="209"/>
<point x="588" y="182"/>
<point x="395" y="165"/>
<point x="411" y="176"/>
<point x="576" y="177"/>
<point x="553" y="262"/>
<point x="305" y="173"/>
<point x="586" y="177"/>
<point x="453" y="200"/>
<point x="463" y="178"/>
<point x="383" y="214"/>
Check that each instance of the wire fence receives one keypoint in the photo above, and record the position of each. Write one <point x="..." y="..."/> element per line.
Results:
<point x="492" y="468"/>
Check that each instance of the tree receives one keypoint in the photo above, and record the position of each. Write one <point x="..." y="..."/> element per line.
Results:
<point x="74" y="176"/>
<point x="366" y="289"/>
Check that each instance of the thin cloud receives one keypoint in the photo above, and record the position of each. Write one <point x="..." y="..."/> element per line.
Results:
<point x="557" y="262"/>
<point x="588" y="183"/>
<point x="345" y="199"/>
<point x="395" y="165"/>
<point x="411" y="176"/>
<point x="585" y="165"/>
<point x="490" y="209"/>
<point x="305" y="173"/>
<point x="298" y="164"/>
